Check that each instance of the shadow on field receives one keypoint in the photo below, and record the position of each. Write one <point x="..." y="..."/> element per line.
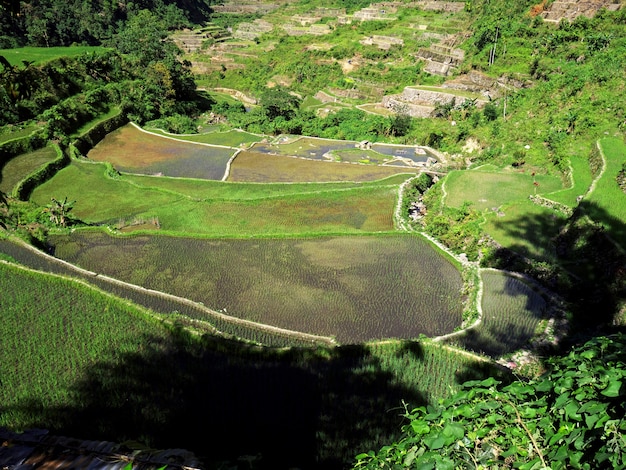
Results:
<point x="590" y="270"/>
<point x="238" y="406"/>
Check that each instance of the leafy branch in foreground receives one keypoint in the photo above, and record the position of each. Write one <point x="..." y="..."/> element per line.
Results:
<point x="572" y="417"/>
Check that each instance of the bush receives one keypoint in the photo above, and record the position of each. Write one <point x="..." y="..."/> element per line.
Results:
<point x="572" y="417"/>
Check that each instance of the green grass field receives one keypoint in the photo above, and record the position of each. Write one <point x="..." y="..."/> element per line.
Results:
<point x="607" y="203"/>
<point x="525" y="228"/>
<point x="18" y="168"/>
<point x="39" y="55"/>
<point x="53" y="330"/>
<point x="99" y="199"/>
<point x="114" y="111"/>
<point x="486" y="190"/>
<point x="581" y="175"/>
<point x="12" y="133"/>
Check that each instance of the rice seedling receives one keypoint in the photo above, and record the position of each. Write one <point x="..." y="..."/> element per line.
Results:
<point x="351" y="288"/>
<point x="266" y="168"/>
<point x="52" y="331"/>
<point x="16" y="169"/>
<point x="512" y="311"/>
<point x="131" y="150"/>
<point x="104" y="200"/>
<point x="231" y="138"/>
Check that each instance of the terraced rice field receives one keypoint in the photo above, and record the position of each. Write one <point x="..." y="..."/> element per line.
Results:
<point x="16" y="169"/>
<point x="352" y="288"/>
<point x="487" y="190"/>
<point x="131" y="150"/>
<point x="266" y="168"/>
<point x="512" y="310"/>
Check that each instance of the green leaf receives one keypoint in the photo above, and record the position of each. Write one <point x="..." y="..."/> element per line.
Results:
<point x="561" y="454"/>
<point x="613" y="389"/>
<point x="589" y="354"/>
<point x="571" y="409"/>
<point x="420" y="427"/>
<point x="454" y="430"/>
<point x="435" y="442"/>
<point x="408" y="460"/>
<point x="534" y="464"/>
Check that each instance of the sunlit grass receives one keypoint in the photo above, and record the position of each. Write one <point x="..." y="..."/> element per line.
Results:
<point x="300" y="209"/>
<point x="608" y="201"/>
<point x="486" y="190"/>
<point x="44" y="54"/>
<point x="582" y="178"/>
<point x="52" y="331"/>
<point x="18" y="168"/>
<point x="526" y="228"/>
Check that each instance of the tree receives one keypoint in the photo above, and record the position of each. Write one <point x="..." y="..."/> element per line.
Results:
<point x="278" y="101"/>
<point x="144" y="38"/>
<point x="400" y="123"/>
<point x="58" y="211"/>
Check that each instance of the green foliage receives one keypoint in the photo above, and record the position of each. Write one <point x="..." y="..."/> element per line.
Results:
<point x="573" y="417"/>
<point x="176" y="124"/>
<point x="279" y="102"/>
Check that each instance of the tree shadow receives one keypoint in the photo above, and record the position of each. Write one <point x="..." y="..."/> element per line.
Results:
<point x="589" y="268"/>
<point x="235" y="405"/>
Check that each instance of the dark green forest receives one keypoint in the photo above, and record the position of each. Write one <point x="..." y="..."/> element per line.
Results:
<point x="56" y="23"/>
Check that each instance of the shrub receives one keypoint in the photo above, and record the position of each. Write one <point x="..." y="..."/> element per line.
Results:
<point x="572" y="417"/>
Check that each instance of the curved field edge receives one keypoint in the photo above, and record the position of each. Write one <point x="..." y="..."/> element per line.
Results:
<point x="516" y="314"/>
<point x="606" y="201"/>
<point x="104" y="200"/>
<point x="356" y="288"/>
<point x="85" y="367"/>
<point x="191" y="314"/>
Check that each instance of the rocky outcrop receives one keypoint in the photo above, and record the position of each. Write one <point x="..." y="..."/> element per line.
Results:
<point x="572" y="9"/>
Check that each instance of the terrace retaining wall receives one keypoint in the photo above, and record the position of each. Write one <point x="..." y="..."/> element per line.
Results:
<point x="89" y="139"/>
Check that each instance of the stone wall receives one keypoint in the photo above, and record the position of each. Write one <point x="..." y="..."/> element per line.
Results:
<point x="570" y="10"/>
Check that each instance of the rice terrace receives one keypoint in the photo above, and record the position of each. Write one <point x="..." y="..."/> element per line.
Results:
<point x="313" y="235"/>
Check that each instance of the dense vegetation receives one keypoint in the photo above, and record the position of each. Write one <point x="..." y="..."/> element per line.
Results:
<point x="573" y="417"/>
